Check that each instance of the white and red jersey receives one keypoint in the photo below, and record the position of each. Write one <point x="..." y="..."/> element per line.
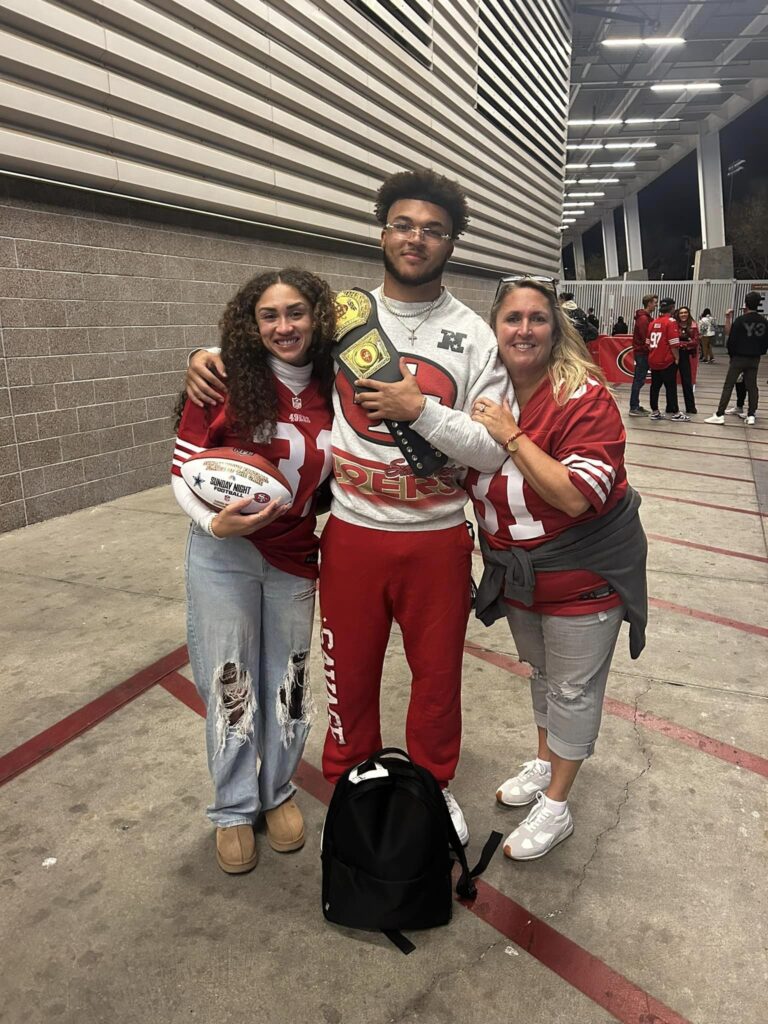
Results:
<point x="662" y="337"/>
<point x="454" y="358"/>
<point x="586" y="434"/>
<point x="300" y="449"/>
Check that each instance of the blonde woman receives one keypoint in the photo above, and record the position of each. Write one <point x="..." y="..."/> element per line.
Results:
<point x="562" y="543"/>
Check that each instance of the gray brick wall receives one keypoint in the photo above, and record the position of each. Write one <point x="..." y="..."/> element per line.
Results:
<point x="100" y="302"/>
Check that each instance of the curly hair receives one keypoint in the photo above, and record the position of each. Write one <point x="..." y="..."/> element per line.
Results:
<point x="252" y="395"/>
<point x="570" y="362"/>
<point x="430" y="187"/>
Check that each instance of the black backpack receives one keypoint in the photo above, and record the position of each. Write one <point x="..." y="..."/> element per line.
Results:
<point x="386" y="850"/>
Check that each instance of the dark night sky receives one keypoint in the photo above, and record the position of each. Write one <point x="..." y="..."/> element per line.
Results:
<point x="669" y="206"/>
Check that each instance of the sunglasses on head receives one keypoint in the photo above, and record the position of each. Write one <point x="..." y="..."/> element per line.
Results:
<point x="550" y="282"/>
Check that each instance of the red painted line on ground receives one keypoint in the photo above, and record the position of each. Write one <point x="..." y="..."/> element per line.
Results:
<point x="184" y="690"/>
<point x="50" y="740"/>
<point x="697" y="740"/>
<point x="706" y="547"/>
<point x="623" y="999"/>
<point x="697" y="613"/>
<point x="499" y="660"/>
<point x="705" y="504"/>
<point x="697" y="451"/>
<point x="691" y="738"/>
<point x="618" y="995"/>
<point x="703" y="437"/>
<point x="690" y="472"/>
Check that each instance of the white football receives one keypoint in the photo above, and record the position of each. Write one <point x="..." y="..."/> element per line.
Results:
<point x="221" y="475"/>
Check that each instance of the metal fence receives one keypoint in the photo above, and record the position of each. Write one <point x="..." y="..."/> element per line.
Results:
<point x="611" y="299"/>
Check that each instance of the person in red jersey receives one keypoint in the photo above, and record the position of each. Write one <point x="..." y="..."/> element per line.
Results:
<point x="663" y="359"/>
<point x="251" y="578"/>
<point x="643" y="318"/>
<point x="688" y="350"/>
<point x="563" y="548"/>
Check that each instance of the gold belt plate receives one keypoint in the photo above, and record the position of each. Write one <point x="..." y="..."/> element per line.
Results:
<point x="352" y="309"/>
<point x="367" y="355"/>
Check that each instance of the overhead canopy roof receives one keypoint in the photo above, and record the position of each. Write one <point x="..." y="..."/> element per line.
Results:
<point x="726" y="42"/>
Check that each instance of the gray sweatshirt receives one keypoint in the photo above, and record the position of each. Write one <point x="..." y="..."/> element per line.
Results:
<point x="455" y="360"/>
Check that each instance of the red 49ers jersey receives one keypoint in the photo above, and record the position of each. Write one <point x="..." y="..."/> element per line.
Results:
<point x="586" y="435"/>
<point x="662" y="335"/>
<point x="301" y="450"/>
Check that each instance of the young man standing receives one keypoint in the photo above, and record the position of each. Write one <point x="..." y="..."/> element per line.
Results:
<point x="747" y="342"/>
<point x="395" y="547"/>
<point x="643" y="318"/>
<point x="663" y="357"/>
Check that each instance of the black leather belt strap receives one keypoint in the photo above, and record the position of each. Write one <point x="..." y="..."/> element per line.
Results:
<point x="362" y="349"/>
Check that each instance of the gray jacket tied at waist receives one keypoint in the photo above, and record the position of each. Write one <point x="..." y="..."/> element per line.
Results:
<point x="612" y="546"/>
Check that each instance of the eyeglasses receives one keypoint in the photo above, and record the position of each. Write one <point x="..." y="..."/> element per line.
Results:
<point x="550" y="282"/>
<point x="402" y="229"/>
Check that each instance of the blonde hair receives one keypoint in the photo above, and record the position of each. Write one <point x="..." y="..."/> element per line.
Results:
<point x="570" y="363"/>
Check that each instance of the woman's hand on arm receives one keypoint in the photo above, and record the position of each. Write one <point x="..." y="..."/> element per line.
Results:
<point x="205" y="378"/>
<point x="230" y="522"/>
<point x="548" y="477"/>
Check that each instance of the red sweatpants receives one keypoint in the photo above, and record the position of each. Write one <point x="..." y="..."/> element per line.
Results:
<point x="421" y="580"/>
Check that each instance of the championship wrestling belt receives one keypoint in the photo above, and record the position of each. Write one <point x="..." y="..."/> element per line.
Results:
<point x="363" y="350"/>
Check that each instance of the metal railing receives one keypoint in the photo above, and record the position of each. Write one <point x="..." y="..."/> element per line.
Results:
<point x="611" y="299"/>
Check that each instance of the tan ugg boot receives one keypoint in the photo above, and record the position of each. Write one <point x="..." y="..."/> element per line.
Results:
<point x="285" y="827"/>
<point x="236" y="850"/>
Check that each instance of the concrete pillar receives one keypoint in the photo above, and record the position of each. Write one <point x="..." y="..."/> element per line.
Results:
<point x="632" y="232"/>
<point x="610" y="250"/>
<point x="578" y="258"/>
<point x="710" y="190"/>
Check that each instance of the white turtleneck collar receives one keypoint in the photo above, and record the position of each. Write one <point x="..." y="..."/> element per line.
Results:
<point x="295" y="378"/>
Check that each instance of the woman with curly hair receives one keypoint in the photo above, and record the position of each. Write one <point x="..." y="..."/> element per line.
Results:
<point x="251" y="577"/>
<point x="562" y="543"/>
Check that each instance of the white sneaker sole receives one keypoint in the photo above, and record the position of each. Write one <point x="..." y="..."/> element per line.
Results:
<point x="543" y="853"/>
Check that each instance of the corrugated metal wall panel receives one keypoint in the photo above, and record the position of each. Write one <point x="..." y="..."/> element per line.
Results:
<point x="289" y="113"/>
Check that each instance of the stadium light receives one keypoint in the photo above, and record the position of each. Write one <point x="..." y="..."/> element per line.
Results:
<point x="599" y="120"/>
<point x="630" y="145"/>
<point x="585" y="122"/>
<point x="686" y="87"/>
<point x="648" y="41"/>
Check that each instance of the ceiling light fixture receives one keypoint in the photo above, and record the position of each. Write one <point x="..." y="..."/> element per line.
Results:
<point x="579" y="203"/>
<point x="623" y="163"/>
<point x="686" y="87"/>
<point x="630" y="145"/>
<point x="576" y="165"/>
<point x="585" y="122"/>
<point x="648" y="41"/>
<point x="599" y="181"/>
<point x="571" y="195"/>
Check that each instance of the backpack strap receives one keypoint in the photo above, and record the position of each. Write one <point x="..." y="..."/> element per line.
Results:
<point x="398" y="939"/>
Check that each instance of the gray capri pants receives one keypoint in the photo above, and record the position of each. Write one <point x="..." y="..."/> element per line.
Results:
<point x="571" y="657"/>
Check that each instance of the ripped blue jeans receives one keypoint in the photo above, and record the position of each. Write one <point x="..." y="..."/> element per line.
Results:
<point x="249" y="627"/>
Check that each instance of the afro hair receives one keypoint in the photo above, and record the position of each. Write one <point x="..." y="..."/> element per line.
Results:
<point x="430" y="187"/>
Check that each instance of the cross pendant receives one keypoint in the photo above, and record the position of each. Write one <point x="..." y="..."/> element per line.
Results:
<point x="412" y="337"/>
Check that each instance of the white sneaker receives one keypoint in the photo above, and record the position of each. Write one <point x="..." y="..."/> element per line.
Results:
<point x="457" y="817"/>
<point x="735" y="410"/>
<point x="522" y="788"/>
<point x="750" y="421"/>
<point x="714" y="418"/>
<point x="540" y="831"/>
